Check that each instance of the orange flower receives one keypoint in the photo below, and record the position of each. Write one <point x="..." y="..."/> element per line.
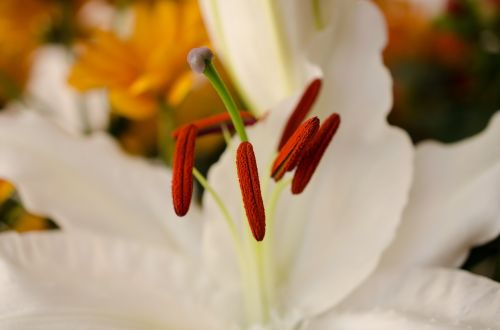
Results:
<point x="148" y="65"/>
<point x="409" y="28"/>
<point x="19" y="219"/>
<point x="6" y="190"/>
<point x="24" y="26"/>
<point x="21" y="23"/>
<point x="29" y="222"/>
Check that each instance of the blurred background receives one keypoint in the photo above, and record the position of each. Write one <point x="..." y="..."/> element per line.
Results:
<point x="444" y="56"/>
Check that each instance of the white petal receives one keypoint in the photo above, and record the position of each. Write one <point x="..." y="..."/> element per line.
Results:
<point x="89" y="184"/>
<point x="238" y="28"/>
<point x="97" y="14"/>
<point x="454" y="203"/>
<point x="333" y="235"/>
<point x="342" y="224"/>
<point x="419" y="299"/>
<point x="60" y="281"/>
<point x="385" y="320"/>
<point x="356" y="82"/>
<point x="431" y="7"/>
<point x="49" y="92"/>
<point x="281" y="32"/>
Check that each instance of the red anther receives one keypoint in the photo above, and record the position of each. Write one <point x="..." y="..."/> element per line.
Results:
<point x="213" y="124"/>
<point x="182" y="180"/>
<point x="291" y="152"/>
<point x="301" y="110"/>
<point x="310" y="161"/>
<point x="248" y="176"/>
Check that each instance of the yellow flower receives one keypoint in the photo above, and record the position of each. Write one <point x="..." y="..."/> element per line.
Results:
<point x="24" y="26"/>
<point x="18" y="218"/>
<point x="6" y="190"/>
<point x="149" y="64"/>
<point x="21" y="25"/>
<point x="29" y="222"/>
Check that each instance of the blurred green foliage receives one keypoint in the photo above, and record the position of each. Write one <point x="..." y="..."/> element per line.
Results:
<point x="451" y="90"/>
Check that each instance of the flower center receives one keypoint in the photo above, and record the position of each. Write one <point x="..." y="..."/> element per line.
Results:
<point x="300" y="148"/>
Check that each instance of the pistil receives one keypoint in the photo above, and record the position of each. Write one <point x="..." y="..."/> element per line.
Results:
<point x="200" y="60"/>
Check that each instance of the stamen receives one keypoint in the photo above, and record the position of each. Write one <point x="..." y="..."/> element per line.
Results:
<point x="215" y="123"/>
<point x="291" y="152"/>
<point x="182" y="180"/>
<point x="310" y="161"/>
<point x="301" y="111"/>
<point x="248" y="176"/>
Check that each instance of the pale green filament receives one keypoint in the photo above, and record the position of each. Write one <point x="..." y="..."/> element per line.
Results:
<point x="256" y="259"/>
<point x="214" y="77"/>
<point x="248" y="264"/>
<point x="273" y="202"/>
<point x="226" y="134"/>
<point x="265" y="251"/>
<point x="261" y="259"/>
<point x="227" y="217"/>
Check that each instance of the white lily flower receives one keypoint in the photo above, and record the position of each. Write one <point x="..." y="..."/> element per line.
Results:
<point x="331" y="259"/>
<point x="122" y="260"/>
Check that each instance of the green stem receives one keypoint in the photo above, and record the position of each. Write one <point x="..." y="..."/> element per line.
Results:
<point x="221" y="88"/>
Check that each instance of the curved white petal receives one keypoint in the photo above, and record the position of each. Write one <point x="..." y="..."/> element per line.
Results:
<point x="419" y="299"/>
<point x="239" y="29"/>
<point x="90" y="184"/>
<point x="49" y="93"/>
<point x="356" y="82"/>
<point x="281" y="32"/>
<point x="63" y="281"/>
<point x="454" y="203"/>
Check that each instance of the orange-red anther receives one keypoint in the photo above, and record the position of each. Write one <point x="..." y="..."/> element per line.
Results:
<point x="250" y="189"/>
<point x="312" y="156"/>
<point x="291" y="152"/>
<point x="213" y="124"/>
<point x="301" y="110"/>
<point x="182" y="180"/>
